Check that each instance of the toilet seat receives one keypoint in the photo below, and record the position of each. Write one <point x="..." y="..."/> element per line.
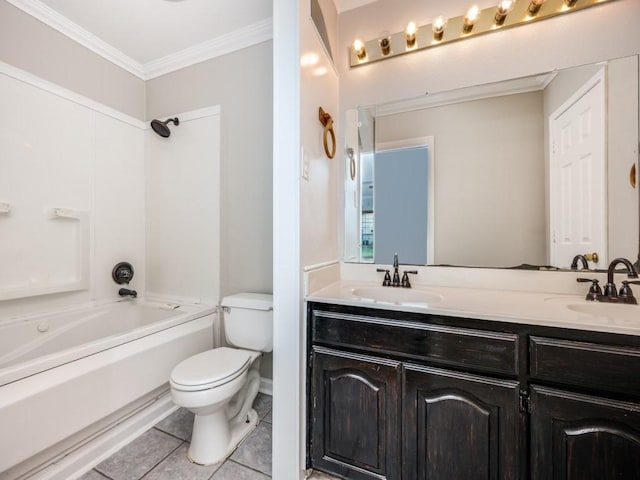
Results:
<point x="210" y="369"/>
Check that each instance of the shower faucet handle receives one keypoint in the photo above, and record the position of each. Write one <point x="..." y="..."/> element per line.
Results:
<point x="122" y="273"/>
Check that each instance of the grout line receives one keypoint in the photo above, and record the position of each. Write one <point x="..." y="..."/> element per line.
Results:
<point x="101" y="474"/>
<point x="171" y="434"/>
<point x="250" y="468"/>
<point x="163" y="459"/>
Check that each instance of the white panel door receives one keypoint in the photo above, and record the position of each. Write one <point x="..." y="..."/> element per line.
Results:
<point x="577" y="176"/>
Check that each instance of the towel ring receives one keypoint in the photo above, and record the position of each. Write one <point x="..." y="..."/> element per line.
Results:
<point x="352" y="163"/>
<point x="327" y="122"/>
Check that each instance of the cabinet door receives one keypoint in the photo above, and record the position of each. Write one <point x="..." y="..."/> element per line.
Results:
<point x="576" y="437"/>
<point x="355" y="415"/>
<point x="460" y="426"/>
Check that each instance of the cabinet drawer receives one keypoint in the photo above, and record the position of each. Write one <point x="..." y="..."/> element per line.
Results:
<point x="601" y="366"/>
<point x="443" y="345"/>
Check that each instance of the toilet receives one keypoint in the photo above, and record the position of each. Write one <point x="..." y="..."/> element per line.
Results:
<point x="220" y="385"/>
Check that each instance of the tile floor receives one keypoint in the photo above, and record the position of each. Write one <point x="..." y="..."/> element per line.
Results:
<point x="161" y="453"/>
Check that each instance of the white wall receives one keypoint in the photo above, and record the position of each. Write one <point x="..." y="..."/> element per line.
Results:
<point x="63" y="150"/>
<point x="183" y="208"/>
<point x="485" y="165"/>
<point x="318" y="194"/>
<point x="32" y="46"/>
<point x="241" y="83"/>
<point x="622" y="151"/>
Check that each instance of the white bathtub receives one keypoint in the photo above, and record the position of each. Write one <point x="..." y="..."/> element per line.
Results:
<point x="62" y="373"/>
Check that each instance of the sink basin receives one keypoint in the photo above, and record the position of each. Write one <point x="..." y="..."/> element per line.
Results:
<point x="397" y="295"/>
<point x="608" y="311"/>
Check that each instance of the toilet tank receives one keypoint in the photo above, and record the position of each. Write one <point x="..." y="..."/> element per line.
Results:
<point x="248" y="320"/>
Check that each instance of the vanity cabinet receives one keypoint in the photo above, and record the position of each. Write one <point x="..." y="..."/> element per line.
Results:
<point x="458" y="425"/>
<point x="398" y="395"/>
<point x="576" y="436"/>
<point x="356" y="414"/>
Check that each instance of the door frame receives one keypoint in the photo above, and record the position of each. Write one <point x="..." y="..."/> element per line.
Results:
<point x="598" y="78"/>
<point x="429" y="142"/>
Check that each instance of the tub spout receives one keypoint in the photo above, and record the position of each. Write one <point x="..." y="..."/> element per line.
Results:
<point x="125" y="292"/>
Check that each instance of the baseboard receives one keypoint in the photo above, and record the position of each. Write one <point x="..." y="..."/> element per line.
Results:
<point x="87" y="456"/>
<point x="266" y="386"/>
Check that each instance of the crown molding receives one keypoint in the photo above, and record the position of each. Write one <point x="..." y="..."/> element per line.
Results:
<point x="75" y="32"/>
<point x="514" y="86"/>
<point x="244" y="37"/>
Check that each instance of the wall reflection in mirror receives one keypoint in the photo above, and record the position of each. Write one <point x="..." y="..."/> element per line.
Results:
<point x="524" y="173"/>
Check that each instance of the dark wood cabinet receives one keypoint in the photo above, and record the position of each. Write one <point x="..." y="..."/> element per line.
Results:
<point x="461" y="426"/>
<point x="412" y="396"/>
<point x="355" y="419"/>
<point x="577" y="437"/>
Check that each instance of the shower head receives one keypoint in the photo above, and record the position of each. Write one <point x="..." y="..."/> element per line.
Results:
<point x="161" y="127"/>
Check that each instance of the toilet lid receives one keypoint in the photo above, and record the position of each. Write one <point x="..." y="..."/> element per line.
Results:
<point x="210" y="369"/>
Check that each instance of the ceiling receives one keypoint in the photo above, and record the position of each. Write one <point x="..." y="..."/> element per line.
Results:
<point x="344" y="5"/>
<point x="152" y="37"/>
<point x="143" y="33"/>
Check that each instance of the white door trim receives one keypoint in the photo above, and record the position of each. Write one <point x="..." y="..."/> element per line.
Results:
<point x="428" y="142"/>
<point x="598" y="79"/>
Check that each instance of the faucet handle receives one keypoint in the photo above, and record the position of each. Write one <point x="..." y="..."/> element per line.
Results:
<point x="595" y="291"/>
<point x="405" y="278"/>
<point x="387" y="277"/>
<point x="625" y="293"/>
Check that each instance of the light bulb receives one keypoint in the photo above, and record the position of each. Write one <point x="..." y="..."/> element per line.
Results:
<point x="358" y="48"/>
<point x="439" y="24"/>
<point x="470" y="18"/>
<point x="504" y="7"/>
<point x="410" y="34"/>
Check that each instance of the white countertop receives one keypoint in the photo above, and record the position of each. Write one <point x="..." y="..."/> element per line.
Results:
<point x="532" y="308"/>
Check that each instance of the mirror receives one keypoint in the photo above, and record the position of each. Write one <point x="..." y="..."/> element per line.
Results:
<point x="524" y="173"/>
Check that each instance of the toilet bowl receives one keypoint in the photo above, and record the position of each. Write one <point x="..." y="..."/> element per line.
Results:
<point x="220" y="385"/>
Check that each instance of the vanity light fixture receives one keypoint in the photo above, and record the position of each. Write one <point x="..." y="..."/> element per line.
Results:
<point x="470" y="19"/>
<point x="504" y="7"/>
<point x="439" y="24"/>
<point x="534" y="6"/>
<point x="502" y="15"/>
<point x="358" y="47"/>
<point x="410" y="34"/>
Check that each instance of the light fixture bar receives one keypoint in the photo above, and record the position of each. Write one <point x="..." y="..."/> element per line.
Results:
<point x="454" y="29"/>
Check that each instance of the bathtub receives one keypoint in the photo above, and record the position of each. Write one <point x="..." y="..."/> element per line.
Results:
<point x="62" y="373"/>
